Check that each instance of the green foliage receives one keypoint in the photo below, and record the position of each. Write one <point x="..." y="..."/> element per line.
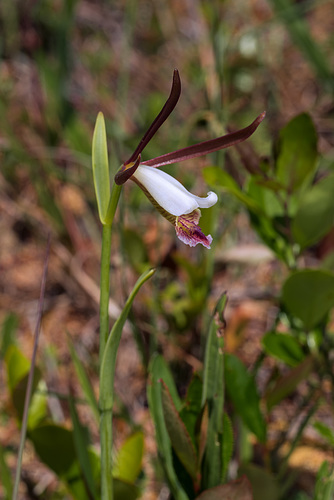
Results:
<point x="241" y="388"/>
<point x="283" y="347"/>
<point x="213" y="398"/>
<point x="297" y="153"/>
<point x="309" y="295"/>
<point x="128" y="461"/>
<point x="315" y="214"/>
<point x="324" y="488"/>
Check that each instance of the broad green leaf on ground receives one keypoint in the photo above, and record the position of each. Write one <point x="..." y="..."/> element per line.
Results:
<point x="264" y="484"/>
<point x="286" y="384"/>
<point x="315" y="214"/>
<point x="241" y="388"/>
<point x="38" y="409"/>
<point x="309" y="295"/>
<point x="178" y="434"/>
<point x="5" y="475"/>
<point x="297" y="153"/>
<point x="18" y="367"/>
<point x="55" y="446"/>
<point x="8" y="330"/>
<point x="128" y="462"/>
<point x="284" y="347"/>
<point x="125" y="491"/>
<point x="240" y="489"/>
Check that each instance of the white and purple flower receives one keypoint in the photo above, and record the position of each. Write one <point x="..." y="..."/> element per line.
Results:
<point x="169" y="196"/>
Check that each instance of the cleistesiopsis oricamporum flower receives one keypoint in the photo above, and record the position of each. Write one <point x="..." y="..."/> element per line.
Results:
<point x="169" y="196"/>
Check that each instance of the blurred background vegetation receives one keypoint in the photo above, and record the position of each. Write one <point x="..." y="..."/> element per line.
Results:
<point x="63" y="61"/>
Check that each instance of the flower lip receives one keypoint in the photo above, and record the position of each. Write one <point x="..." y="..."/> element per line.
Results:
<point x="170" y="194"/>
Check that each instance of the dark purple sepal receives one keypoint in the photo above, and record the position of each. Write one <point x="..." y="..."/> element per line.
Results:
<point x="126" y="171"/>
<point x="206" y="147"/>
<point x="162" y="116"/>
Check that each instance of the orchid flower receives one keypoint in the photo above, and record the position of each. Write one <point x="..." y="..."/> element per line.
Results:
<point x="169" y="196"/>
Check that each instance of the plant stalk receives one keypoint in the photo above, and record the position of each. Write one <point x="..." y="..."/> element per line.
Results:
<point x="106" y="410"/>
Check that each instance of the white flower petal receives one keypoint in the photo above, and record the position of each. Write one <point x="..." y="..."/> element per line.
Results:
<point x="169" y="193"/>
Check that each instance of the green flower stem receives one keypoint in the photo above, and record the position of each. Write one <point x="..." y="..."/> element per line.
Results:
<point x="106" y="411"/>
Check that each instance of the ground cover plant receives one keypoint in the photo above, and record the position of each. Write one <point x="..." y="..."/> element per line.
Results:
<point x="200" y="364"/>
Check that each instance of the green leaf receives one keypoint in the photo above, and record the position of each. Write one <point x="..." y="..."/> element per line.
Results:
<point x="286" y="384"/>
<point x="101" y="167"/>
<point x="18" y="367"/>
<point x="8" y="330"/>
<point x="38" y="409"/>
<point x="297" y="157"/>
<point x="309" y="295"/>
<point x="158" y="370"/>
<point x="315" y="215"/>
<point x="241" y="388"/>
<point x="213" y="396"/>
<point x="324" y="487"/>
<point x="55" y="446"/>
<point x="125" y="491"/>
<point x="129" y="458"/>
<point x="179" y="436"/>
<point x="192" y="407"/>
<point x="85" y="383"/>
<point x="110" y="352"/>
<point x="325" y="431"/>
<point x="240" y="489"/>
<point x="215" y="176"/>
<point x="264" y="484"/>
<point x="136" y="250"/>
<point x="5" y="475"/>
<point x="227" y="447"/>
<point x="81" y="442"/>
<point x="284" y="347"/>
<point x="265" y="197"/>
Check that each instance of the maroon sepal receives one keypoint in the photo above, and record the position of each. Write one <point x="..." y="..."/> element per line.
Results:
<point x="126" y="171"/>
<point x="162" y="116"/>
<point x="206" y="147"/>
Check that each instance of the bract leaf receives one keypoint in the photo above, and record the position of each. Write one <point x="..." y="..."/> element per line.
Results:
<point x="101" y="167"/>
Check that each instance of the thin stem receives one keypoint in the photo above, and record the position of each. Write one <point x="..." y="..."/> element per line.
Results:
<point x="106" y="413"/>
<point x="105" y="286"/>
